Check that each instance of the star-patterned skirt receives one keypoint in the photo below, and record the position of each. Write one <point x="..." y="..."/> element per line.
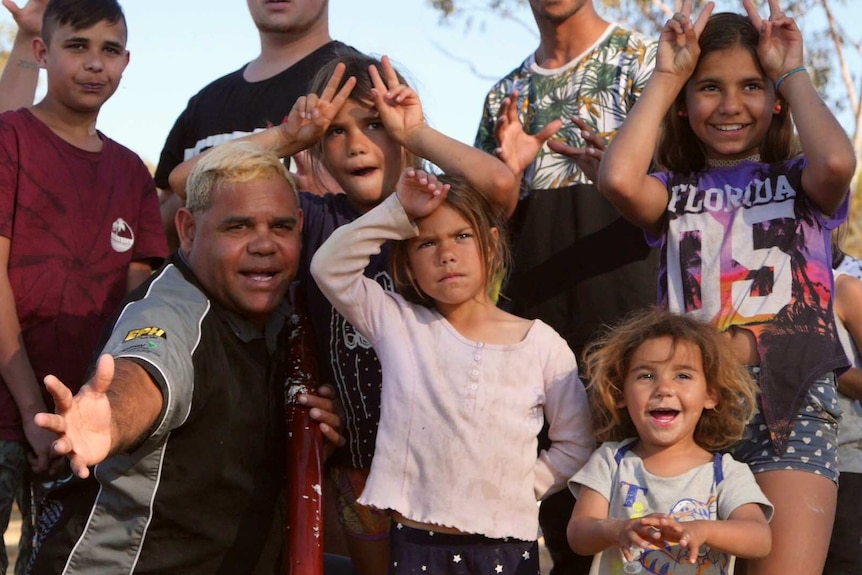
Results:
<point x="420" y="552"/>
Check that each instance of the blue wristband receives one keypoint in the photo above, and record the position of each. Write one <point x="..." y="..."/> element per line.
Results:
<point x="786" y="75"/>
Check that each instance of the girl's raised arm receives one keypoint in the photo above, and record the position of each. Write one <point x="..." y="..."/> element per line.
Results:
<point x="831" y="160"/>
<point x="401" y="113"/>
<point x="308" y="120"/>
<point x="623" y="173"/>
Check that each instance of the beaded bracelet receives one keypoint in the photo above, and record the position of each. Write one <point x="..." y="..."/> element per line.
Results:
<point x="786" y="75"/>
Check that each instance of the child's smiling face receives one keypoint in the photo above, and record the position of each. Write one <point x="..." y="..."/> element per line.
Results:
<point x="665" y="392"/>
<point x="730" y="103"/>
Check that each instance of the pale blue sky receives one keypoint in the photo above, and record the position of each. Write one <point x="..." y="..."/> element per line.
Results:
<point x="178" y="46"/>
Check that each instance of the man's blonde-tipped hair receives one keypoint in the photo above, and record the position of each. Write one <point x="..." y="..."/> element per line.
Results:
<point x="228" y="164"/>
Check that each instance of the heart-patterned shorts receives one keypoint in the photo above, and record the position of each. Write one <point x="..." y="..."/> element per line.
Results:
<point x="813" y="443"/>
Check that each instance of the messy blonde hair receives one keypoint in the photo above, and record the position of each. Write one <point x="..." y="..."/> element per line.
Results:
<point x="607" y="362"/>
<point x="228" y="164"/>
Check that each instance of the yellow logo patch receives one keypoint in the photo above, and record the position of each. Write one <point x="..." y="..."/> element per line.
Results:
<point x="146" y="332"/>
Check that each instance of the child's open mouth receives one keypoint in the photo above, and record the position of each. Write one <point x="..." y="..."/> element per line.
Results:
<point x="664" y="416"/>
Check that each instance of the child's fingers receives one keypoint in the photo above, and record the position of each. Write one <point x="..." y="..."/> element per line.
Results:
<point x="775" y="10"/>
<point x="13" y="8"/>
<point x="378" y="87"/>
<point x="686" y="542"/>
<point x="332" y="85"/>
<point x="399" y="93"/>
<point x="765" y="39"/>
<point x="675" y="24"/>
<point x="751" y="10"/>
<point x="304" y="105"/>
<point x="580" y="123"/>
<point x="627" y="554"/>
<point x="332" y="435"/>
<point x="687" y="7"/>
<point x="343" y="93"/>
<point x="389" y="73"/>
<point x="702" y="18"/>
<point x="691" y="32"/>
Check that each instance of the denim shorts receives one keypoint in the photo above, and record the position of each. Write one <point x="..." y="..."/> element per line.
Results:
<point x="813" y="443"/>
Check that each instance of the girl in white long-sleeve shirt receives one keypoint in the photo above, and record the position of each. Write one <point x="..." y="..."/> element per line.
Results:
<point x="466" y="386"/>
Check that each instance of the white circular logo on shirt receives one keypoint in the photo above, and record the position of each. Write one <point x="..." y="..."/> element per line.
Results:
<point x="122" y="236"/>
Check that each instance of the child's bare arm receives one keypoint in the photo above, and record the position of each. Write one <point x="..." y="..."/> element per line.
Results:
<point x="16" y="370"/>
<point x="401" y="113"/>
<point x="848" y="308"/>
<point x="591" y="531"/>
<point x="308" y="120"/>
<point x="744" y="534"/>
<point x="831" y="160"/>
<point x="137" y="274"/>
<point x="623" y="173"/>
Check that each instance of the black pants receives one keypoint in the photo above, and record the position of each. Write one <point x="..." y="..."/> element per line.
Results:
<point x="845" y="549"/>
<point x="554" y="515"/>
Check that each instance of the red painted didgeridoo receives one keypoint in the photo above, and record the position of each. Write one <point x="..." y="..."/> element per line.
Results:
<point x="303" y="525"/>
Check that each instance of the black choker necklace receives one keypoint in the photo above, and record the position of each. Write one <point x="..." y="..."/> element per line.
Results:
<point x="720" y="163"/>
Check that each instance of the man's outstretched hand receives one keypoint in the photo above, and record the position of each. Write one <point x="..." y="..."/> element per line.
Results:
<point x="83" y="420"/>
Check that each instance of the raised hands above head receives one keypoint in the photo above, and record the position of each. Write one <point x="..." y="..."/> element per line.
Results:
<point x="420" y="193"/>
<point x="398" y="104"/>
<point x="311" y="115"/>
<point x="28" y="18"/>
<point x="678" y="50"/>
<point x="780" y="47"/>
